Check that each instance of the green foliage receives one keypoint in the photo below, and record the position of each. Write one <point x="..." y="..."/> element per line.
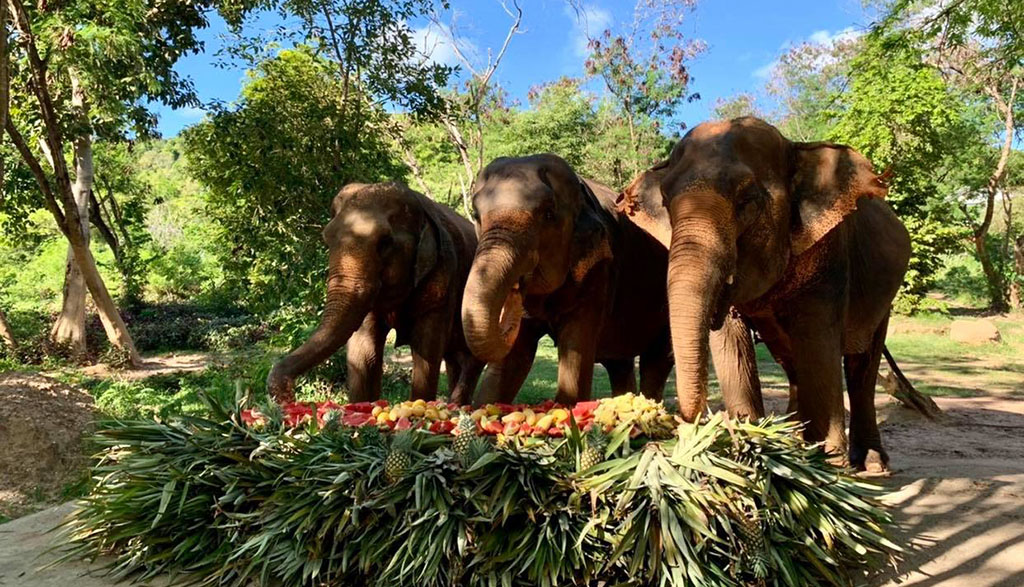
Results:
<point x="234" y="505"/>
<point x="271" y="165"/>
<point x="900" y="113"/>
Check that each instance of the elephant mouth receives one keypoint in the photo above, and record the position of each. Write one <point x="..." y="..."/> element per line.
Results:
<point x="511" y="314"/>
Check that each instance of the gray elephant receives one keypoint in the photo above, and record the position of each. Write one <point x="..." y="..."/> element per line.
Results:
<point x="397" y="261"/>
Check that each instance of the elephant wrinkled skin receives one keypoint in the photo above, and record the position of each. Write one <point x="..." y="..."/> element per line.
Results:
<point x="397" y="261"/>
<point x="798" y="239"/>
<point x="555" y="257"/>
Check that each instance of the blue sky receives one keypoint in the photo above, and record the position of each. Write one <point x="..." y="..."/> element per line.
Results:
<point x="743" y="38"/>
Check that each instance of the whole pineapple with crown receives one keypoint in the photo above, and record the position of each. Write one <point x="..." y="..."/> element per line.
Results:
<point x="399" y="458"/>
<point x="465" y="432"/>
<point x="594" y="443"/>
<point x="755" y="555"/>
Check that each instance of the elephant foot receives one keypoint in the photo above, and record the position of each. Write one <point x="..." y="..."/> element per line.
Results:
<point x="870" y="462"/>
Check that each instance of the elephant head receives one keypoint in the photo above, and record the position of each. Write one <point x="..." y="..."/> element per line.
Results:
<point x="382" y="243"/>
<point x="538" y="223"/>
<point x="744" y="204"/>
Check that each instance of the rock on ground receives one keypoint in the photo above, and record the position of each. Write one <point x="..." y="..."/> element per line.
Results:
<point x="974" y="331"/>
<point x="41" y="425"/>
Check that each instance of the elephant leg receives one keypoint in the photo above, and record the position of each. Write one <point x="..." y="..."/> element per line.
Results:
<point x="577" y="351"/>
<point x="429" y="335"/>
<point x="866" y="451"/>
<point x="817" y="365"/>
<point x="365" y="356"/>
<point x="503" y="380"/>
<point x="469" y="373"/>
<point x="655" y="366"/>
<point x="732" y="352"/>
<point x="453" y="371"/>
<point x="621" y="375"/>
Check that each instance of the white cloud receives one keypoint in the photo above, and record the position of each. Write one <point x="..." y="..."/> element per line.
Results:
<point x="765" y="70"/>
<point x="588" y="21"/>
<point x="824" y="37"/>
<point x="434" y="43"/>
<point x="821" y="38"/>
<point x="189" y="113"/>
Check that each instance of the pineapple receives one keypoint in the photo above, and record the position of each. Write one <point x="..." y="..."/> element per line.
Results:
<point x="477" y="447"/>
<point x="332" y="421"/>
<point x="755" y="555"/>
<point x="464" y="434"/>
<point x="595" y="442"/>
<point x="398" y="461"/>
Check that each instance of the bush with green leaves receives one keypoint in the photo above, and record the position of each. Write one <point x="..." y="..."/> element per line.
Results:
<point x="216" y="502"/>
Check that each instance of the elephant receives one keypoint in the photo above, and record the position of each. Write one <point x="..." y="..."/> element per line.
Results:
<point x="397" y="261"/>
<point x="794" y="240"/>
<point x="556" y="258"/>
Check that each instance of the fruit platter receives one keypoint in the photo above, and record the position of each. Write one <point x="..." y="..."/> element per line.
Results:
<point x="644" y="416"/>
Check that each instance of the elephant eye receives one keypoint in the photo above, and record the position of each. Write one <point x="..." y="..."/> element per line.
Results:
<point x="385" y="242"/>
<point x="549" y="215"/>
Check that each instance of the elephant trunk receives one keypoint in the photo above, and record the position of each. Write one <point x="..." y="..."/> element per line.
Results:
<point x="350" y="293"/>
<point x="492" y="306"/>
<point x="701" y="261"/>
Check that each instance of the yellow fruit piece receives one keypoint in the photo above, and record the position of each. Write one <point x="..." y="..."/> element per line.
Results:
<point x="514" y="417"/>
<point x="492" y="410"/>
<point x="478" y="414"/>
<point x="530" y="416"/>
<point x="376" y="411"/>
<point x="418" y="410"/>
<point x="443" y="415"/>
<point x="420" y="402"/>
<point x="383" y="417"/>
<point x="545" y="421"/>
<point x="431" y="414"/>
<point x="560" y="414"/>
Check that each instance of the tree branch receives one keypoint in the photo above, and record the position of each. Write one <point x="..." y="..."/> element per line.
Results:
<point x="36" y="168"/>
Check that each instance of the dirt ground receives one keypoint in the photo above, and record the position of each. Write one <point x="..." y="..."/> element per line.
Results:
<point x="41" y="426"/>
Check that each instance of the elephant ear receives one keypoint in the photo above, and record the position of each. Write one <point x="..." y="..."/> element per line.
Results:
<point x="591" y="243"/>
<point x="827" y="181"/>
<point x="434" y="242"/>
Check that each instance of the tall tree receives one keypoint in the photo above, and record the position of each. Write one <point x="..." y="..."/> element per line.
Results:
<point x="467" y="110"/>
<point x="645" y="68"/>
<point x="85" y="69"/>
<point x="977" y="46"/>
<point x="271" y="164"/>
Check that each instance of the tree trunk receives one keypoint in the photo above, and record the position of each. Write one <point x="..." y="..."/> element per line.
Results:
<point x="5" y="333"/>
<point x="61" y="202"/>
<point x="1016" y="295"/>
<point x="70" y="325"/>
<point x="993" y="279"/>
<point x="5" y="85"/>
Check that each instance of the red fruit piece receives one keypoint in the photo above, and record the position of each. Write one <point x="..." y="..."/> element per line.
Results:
<point x="584" y="409"/>
<point x="493" y="427"/>
<point x="403" y="424"/>
<point x="356" y="419"/>
<point x="365" y="407"/>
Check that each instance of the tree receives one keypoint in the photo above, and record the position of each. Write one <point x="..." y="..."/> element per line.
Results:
<point x="804" y="83"/>
<point x="899" y="113"/>
<point x="743" y="104"/>
<point x="978" y="47"/>
<point x="85" y="70"/>
<point x="271" y="164"/>
<point x="645" y="69"/>
<point x="466" y="112"/>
